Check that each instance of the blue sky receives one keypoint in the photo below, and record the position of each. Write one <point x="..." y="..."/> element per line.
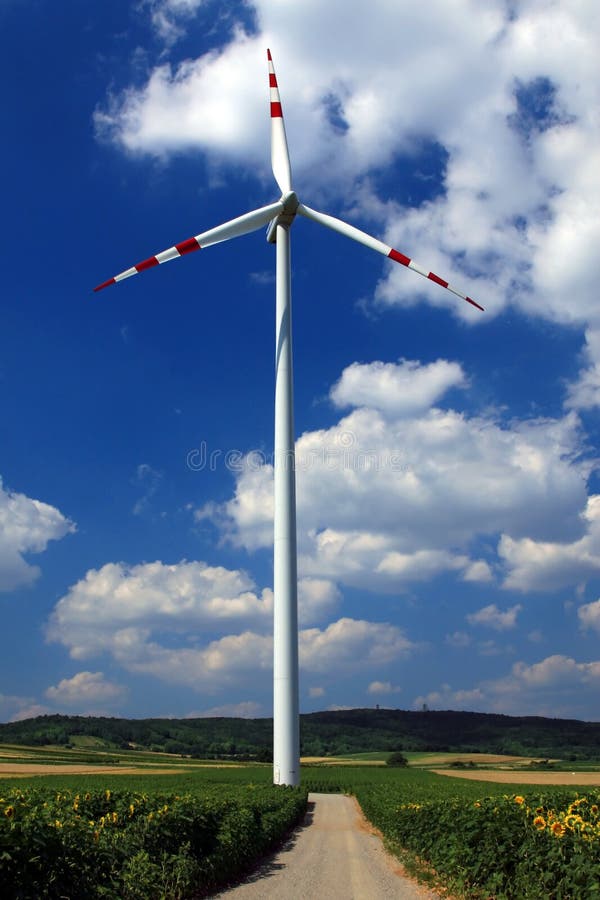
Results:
<point x="448" y="492"/>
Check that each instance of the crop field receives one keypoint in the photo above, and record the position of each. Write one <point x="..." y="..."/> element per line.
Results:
<point x="88" y="841"/>
<point x="513" y="776"/>
<point x="177" y="828"/>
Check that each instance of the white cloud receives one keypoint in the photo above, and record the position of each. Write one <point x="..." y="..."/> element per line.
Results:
<point x="402" y="389"/>
<point x="117" y="599"/>
<point x="85" y="689"/>
<point x="317" y="598"/>
<point x="316" y="691"/>
<point x="517" y="219"/>
<point x="383" y="501"/>
<point x="170" y="16"/>
<point x="548" y="566"/>
<point x="26" y="526"/>
<point x="556" y="670"/>
<point x="492" y="617"/>
<point x="250" y="510"/>
<point x="204" y="627"/>
<point x="584" y="393"/>
<point x="478" y="571"/>
<point x="447" y="698"/>
<point x="351" y="644"/>
<point x="211" y="103"/>
<point x="208" y="667"/>
<point x="589" y="615"/>
<point x="383" y="688"/>
<point x="419" y="566"/>
<point x="555" y="686"/>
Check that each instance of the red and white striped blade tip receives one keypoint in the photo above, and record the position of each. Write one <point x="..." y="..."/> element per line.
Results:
<point x="244" y="224"/>
<point x="280" y="157"/>
<point x="181" y="249"/>
<point x="431" y="276"/>
<point x="375" y="244"/>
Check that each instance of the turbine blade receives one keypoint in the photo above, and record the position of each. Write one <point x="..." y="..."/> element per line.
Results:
<point x="280" y="157"/>
<point x="250" y="221"/>
<point x="363" y="238"/>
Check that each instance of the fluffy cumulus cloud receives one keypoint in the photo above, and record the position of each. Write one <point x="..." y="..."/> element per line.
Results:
<point x="26" y="526"/>
<point x="549" y="565"/>
<point x="85" y="690"/>
<point x="385" y="500"/>
<point x="349" y="643"/>
<point x="507" y="94"/>
<point x="407" y="388"/>
<point x="124" y="604"/>
<point x="556" y="685"/>
<point x="201" y="626"/>
<point x="317" y="599"/>
<point x="116" y="601"/>
<point x="584" y="393"/>
<point x="492" y="617"/>
<point x="589" y="615"/>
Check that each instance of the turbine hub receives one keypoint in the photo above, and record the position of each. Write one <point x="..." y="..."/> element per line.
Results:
<point x="285" y="217"/>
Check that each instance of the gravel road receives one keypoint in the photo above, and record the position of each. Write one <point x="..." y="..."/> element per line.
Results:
<point x="332" y="856"/>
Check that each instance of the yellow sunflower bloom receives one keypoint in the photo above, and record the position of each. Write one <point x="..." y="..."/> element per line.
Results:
<point x="558" y="829"/>
<point x="539" y="822"/>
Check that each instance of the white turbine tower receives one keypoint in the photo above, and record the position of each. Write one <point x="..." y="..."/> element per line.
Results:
<point x="279" y="216"/>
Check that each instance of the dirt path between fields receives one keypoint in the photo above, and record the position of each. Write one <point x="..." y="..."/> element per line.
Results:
<point x="334" y="855"/>
<point x="518" y="777"/>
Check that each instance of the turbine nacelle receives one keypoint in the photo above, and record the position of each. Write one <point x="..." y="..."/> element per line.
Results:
<point x="286" y="216"/>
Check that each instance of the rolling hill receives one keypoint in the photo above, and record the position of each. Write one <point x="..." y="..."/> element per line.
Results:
<point x="322" y="733"/>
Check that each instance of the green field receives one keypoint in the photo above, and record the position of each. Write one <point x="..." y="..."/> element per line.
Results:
<point x="195" y="826"/>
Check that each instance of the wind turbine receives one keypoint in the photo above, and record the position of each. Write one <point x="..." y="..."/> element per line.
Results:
<point x="279" y="216"/>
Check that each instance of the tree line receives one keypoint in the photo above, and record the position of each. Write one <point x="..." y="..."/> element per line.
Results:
<point x="322" y="734"/>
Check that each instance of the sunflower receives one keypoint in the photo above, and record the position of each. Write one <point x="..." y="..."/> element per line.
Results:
<point x="558" y="829"/>
<point x="520" y="800"/>
<point x="539" y="822"/>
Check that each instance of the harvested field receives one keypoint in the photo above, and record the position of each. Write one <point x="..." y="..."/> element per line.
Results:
<point x="334" y="761"/>
<point x="519" y="776"/>
<point x="486" y="759"/>
<point x="16" y="770"/>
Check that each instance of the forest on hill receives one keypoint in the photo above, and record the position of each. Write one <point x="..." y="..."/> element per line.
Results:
<point x="322" y="734"/>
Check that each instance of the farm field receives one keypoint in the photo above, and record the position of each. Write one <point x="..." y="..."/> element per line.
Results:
<point x="504" y="776"/>
<point x="161" y="826"/>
